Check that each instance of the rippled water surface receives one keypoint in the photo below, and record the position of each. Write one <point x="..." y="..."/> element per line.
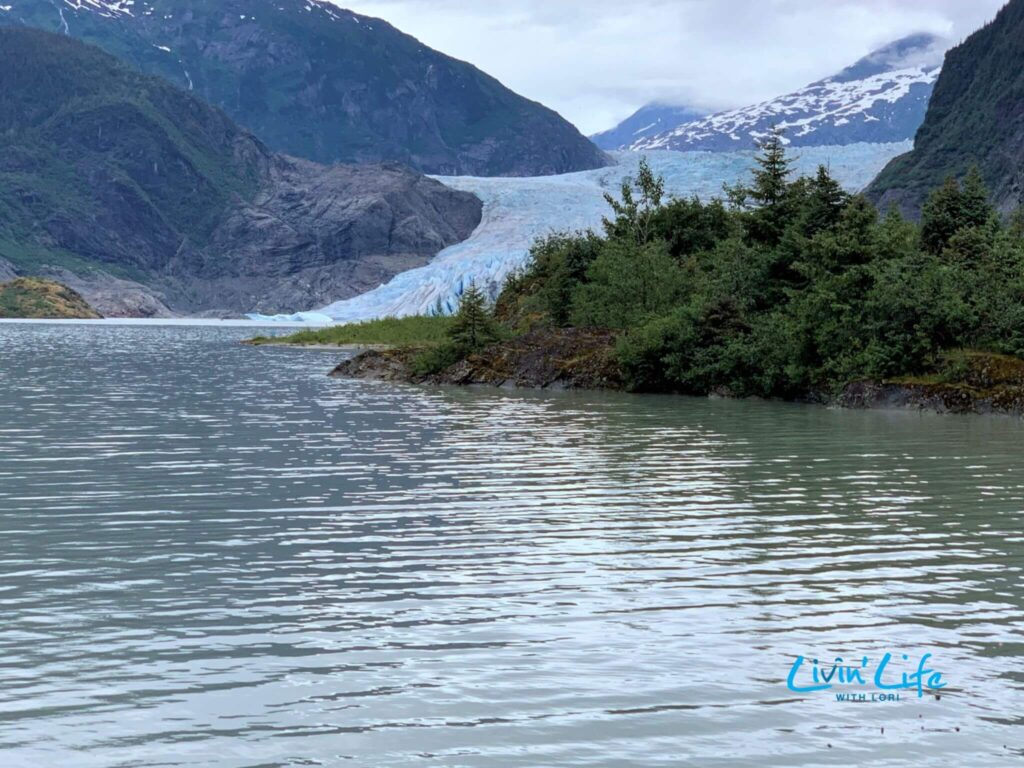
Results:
<point x="214" y="555"/>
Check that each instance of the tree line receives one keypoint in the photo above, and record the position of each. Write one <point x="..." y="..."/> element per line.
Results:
<point x="783" y="287"/>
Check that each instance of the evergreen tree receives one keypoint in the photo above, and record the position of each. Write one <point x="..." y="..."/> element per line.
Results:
<point x="473" y="326"/>
<point x="634" y="218"/>
<point x="941" y="216"/>
<point x="690" y="226"/>
<point x="628" y="283"/>
<point x="955" y="207"/>
<point x="856" y="223"/>
<point x="897" y="237"/>
<point x="771" y="178"/>
<point x="976" y="210"/>
<point x="969" y="247"/>
<point x="1016" y="224"/>
<point x="770" y="192"/>
<point x="825" y="202"/>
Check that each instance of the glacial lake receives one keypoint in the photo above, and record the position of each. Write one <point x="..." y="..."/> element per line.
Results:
<point x="215" y="555"/>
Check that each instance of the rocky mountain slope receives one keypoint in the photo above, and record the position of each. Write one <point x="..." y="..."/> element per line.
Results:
<point x="123" y="185"/>
<point x="319" y="82"/>
<point x="647" y="122"/>
<point x="976" y="117"/>
<point x="880" y="99"/>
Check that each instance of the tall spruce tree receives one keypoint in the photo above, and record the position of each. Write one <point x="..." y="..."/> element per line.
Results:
<point x="769" y="193"/>
<point x="976" y="210"/>
<point x="771" y="177"/>
<point x="941" y="216"/>
<point x="825" y="202"/>
<point x="473" y="326"/>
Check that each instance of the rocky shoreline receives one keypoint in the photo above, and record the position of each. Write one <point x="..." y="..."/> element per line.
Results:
<point x="987" y="384"/>
<point x="572" y="358"/>
<point x="565" y="358"/>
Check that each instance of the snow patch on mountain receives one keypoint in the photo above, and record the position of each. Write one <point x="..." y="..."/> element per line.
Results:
<point x="648" y="121"/>
<point x="114" y="8"/>
<point x="519" y="210"/>
<point x="811" y="114"/>
<point x="105" y="7"/>
<point x="881" y="98"/>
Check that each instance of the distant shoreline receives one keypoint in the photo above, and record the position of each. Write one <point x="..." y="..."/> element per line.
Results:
<point x="353" y="347"/>
<point x="156" y="322"/>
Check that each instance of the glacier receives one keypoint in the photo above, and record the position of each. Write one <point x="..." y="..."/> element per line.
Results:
<point x="517" y="211"/>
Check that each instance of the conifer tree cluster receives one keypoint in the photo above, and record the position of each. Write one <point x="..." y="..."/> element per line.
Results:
<point x="788" y="286"/>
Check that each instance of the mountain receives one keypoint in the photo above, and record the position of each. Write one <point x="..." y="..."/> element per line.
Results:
<point x="646" y="122"/>
<point x="880" y="99"/>
<point x="117" y="182"/>
<point x="322" y="83"/>
<point x="976" y="117"/>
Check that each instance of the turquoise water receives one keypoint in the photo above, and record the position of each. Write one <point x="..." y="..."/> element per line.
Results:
<point x="216" y="556"/>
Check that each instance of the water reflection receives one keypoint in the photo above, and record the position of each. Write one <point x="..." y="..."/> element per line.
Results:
<point x="215" y="555"/>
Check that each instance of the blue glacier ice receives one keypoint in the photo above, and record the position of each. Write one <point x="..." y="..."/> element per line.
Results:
<point x="519" y="210"/>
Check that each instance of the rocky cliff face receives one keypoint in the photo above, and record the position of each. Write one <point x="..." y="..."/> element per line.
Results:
<point x="315" y="81"/>
<point x="314" y="234"/>
<point x="7" y="271"/>
<point x="975" y="117"/>
<point x="145" y="198"/>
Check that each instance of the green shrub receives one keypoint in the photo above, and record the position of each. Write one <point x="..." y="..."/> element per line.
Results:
<point x="436" y="359"/>
<point x="628" y="284"/>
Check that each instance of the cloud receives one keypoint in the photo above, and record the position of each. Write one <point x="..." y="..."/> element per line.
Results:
<point x="596" y="61"/>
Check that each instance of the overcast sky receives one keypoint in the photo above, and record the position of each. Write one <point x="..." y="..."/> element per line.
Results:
<point x="596" y="61"/>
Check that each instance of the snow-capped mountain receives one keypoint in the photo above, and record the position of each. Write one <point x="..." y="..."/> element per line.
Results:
<point x="648" y="121"/>
<point x="881" y="98"/>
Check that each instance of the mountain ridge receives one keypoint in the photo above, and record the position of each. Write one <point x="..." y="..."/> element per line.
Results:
<point x="107" y="174"/>
<point x="976" y="117"/>
<point x="316" y="81"/>
<point x="881" y="99"/>
<point x="648" y="121"/>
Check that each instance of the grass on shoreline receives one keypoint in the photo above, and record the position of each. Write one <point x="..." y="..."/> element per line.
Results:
<point x="418" y="330"/>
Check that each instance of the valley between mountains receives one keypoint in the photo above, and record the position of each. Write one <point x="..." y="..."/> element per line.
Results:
<point x="295" y="160"/>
